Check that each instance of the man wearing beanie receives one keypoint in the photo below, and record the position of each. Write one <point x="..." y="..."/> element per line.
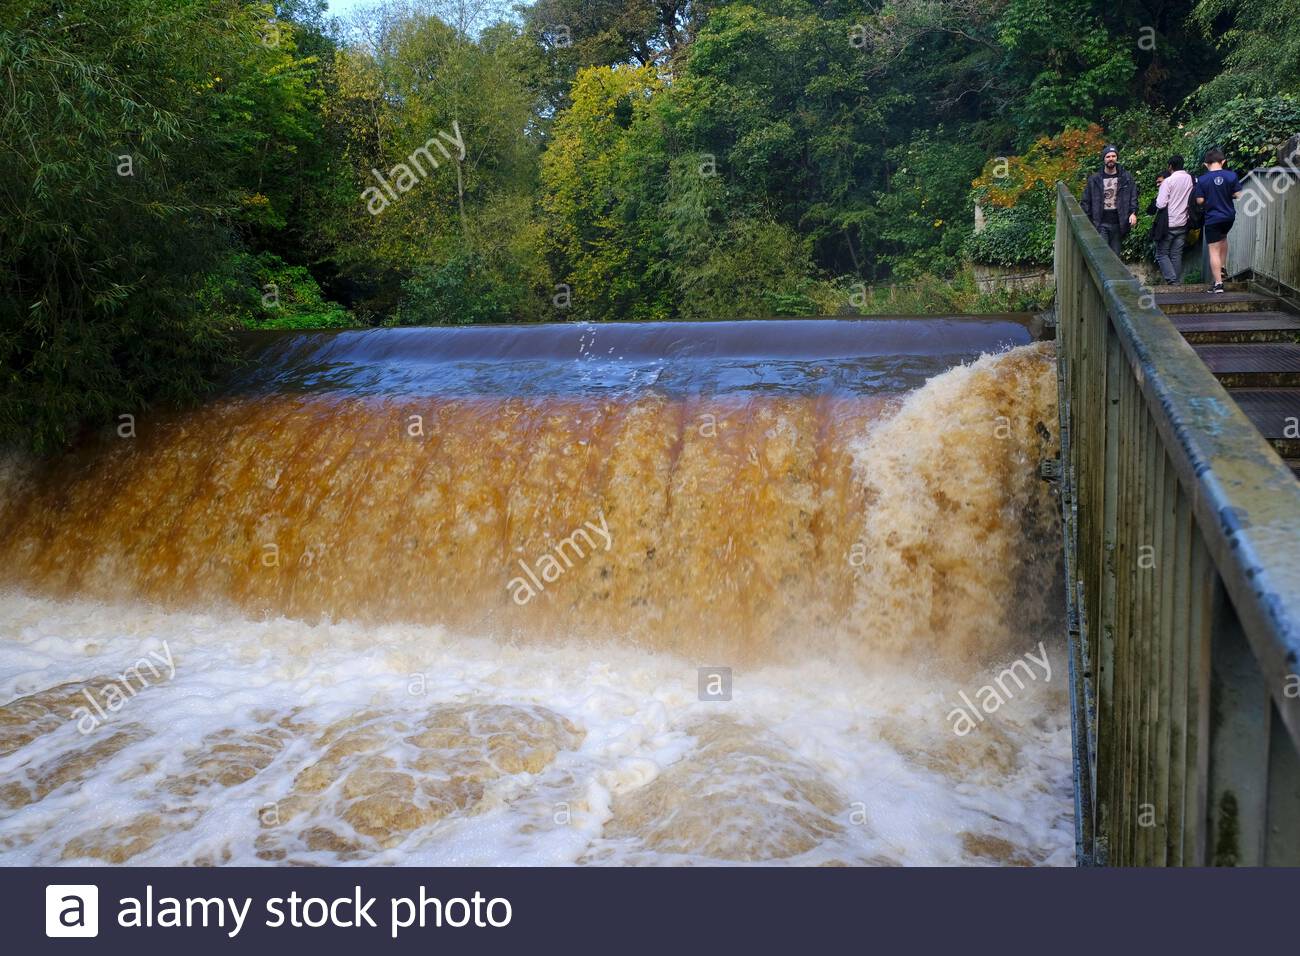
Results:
<point x="1110" y="200"/>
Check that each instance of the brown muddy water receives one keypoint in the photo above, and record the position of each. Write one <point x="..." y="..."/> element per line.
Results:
<point x="442" y="596"/>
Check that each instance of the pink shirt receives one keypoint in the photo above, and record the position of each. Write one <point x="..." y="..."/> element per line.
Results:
<point x="1174" y="194"/>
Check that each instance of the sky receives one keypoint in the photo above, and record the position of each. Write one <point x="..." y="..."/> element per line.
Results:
<point x="341" y="7"/>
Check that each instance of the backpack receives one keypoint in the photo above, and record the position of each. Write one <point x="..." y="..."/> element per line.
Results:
<point x="1195" y="212"/>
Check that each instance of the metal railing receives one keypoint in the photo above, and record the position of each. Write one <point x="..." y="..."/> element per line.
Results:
<point x="1265" y="242"/>
<point x="1183" y="577"/>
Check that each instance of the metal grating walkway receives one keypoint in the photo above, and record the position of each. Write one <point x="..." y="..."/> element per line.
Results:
<point x="1252" y="345"/>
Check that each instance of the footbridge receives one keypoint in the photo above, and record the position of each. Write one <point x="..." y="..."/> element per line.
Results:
<point x="1180" y="444"/>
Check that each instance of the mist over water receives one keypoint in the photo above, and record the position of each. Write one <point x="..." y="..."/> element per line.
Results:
<point x="391" y="644"/>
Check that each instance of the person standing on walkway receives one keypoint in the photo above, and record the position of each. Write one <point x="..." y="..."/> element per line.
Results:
<point x="1216" y="192"/>
<point x="1110" y="199"/>
<point x="1174" y="195"/>
<point x="1160" y="226"/>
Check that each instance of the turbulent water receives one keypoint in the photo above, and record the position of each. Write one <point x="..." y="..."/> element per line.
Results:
<point x="442" y="596"/>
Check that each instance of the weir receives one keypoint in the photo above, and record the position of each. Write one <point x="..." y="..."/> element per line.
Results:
<point x="846" y="515"/>
<point x="415" y="475"/>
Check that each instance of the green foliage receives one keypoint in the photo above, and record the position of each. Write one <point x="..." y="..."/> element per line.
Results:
<point x="955" y="295"/>
<point x="461" y="291"/>
<point x="1262" y="46"/>
<point x="102" y="233"/>
<point x="757" y="268"/>
<point x="262" y="291"/>
<point x="1249" y="130"/>
<point x="782" y="102"/>
<point x="1071" y="64"/>
<point x="925" y="214"/>
<point x="753" y="161"/>
<point x="1018" y="235"/>
<point x="601" y="198"/>
<point x="419" y="79"/>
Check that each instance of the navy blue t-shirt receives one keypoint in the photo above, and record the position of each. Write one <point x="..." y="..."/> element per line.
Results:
<point x="1218" y="186"/>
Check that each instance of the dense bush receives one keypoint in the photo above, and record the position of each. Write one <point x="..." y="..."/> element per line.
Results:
<point x="1018" y="196"/>
<point x="461" y="291"/>
<point x="926" y="216"/>
<point x="758" y="268"/>
<point x="262" y="291"/>
<point x="958" y="294"/>
<point x="1249" y="130"/>
<point x="1076" y="65"/>
<point x="1021" y="234"/>
<point x="1067" y="157"/>
<point x="1262" y="46"/>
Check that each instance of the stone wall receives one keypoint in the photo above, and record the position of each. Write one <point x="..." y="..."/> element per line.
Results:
<point x="993" y="278"/>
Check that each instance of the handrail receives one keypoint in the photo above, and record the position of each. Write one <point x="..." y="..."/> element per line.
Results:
<point x="1183" y="541"/>
<point x="1265" y="242"/>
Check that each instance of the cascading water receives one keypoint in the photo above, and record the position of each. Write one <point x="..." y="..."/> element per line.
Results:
<point x="442" y="596"/>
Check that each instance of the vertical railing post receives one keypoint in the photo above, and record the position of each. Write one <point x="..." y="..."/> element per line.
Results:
<point x="1240" y="711"/>
<point x="1105" y="618"/>
<point x="1283" y="846"/>
<point x="1204" y="591"/>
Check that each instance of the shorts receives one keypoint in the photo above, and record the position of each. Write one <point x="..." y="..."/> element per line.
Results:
<point x="1218" y="231"/>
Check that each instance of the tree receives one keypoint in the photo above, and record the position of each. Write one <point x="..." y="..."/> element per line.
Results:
<point x="420" y="85"/>
<point x="798" y="129"/>
<point x="1068" y="63"/>
<point x="604" y="179"/>
<point x="1261" y="43"/>
<point x="613" y="32"/>
<point x="1047" y="64"/>
<point x="120" y="124"/>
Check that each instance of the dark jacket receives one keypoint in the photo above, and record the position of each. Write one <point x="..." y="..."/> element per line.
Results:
<point x="1159" y="228"/>
<point x="1126" y="199"/>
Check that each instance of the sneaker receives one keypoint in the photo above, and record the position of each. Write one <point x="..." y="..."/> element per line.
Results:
<point x="1216" y="289"/>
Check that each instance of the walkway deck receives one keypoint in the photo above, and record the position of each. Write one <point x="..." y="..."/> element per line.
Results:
<point x="1251" y="342"/>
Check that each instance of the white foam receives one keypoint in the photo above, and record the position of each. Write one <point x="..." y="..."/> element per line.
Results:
<point x="637" y="710"/>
